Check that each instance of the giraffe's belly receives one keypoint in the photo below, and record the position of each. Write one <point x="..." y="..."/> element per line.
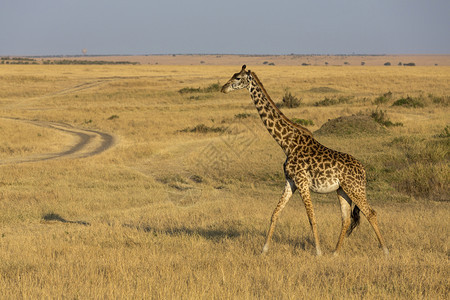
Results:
<point x="323" y="187"/>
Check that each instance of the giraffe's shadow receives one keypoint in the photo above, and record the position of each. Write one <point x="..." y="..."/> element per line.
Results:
<point x="207" y="233"/>
<point x="299" y="243"/>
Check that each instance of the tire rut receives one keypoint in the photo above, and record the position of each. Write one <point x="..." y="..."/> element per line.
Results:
<point x="90" y="143"/>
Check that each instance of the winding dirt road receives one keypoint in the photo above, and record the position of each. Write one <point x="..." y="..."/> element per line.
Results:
<point x="88" y="143"/>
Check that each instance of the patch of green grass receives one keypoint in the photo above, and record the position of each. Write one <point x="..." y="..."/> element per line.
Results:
<point x="303" y="122"/>
<point x="323" y="89"/>
<point x="332" y="101"/>
<point x="202" y="128"/>
<point x="242" y="116"/>
<point x="421" y="169"/>
<point x="439" y="100"/>
<point x="214" y="87"/>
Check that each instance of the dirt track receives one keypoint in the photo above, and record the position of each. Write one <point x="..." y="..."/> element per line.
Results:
<point x="89" y="143"/>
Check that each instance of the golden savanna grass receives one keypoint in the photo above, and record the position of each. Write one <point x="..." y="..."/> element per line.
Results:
<point x="171" y="212"/>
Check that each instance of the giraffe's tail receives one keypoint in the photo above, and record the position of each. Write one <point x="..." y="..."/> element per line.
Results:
<point x="355" y="220"/>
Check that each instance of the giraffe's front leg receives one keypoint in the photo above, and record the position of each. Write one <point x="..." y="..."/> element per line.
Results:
<point x="306" y="197"/>
<point x="289" y="189"/>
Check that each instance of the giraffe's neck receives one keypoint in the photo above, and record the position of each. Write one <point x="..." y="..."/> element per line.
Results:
<point x="279" y="126"/>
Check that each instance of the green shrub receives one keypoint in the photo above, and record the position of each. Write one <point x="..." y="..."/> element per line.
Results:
<point x="386" y="97"/>
<point x="289" y="100"/>
<point x="445" y="133"/>
<point x="409" y="102"/>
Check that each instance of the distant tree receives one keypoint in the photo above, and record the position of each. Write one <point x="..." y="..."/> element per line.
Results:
<point x="363" y="63"/>
<point x="400" y="63"/>
<point x="387" y="63"/>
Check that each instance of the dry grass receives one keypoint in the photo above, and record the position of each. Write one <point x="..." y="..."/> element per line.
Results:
<point x="172" y="214"/>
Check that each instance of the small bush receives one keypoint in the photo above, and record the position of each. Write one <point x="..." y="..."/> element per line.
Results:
<point x="382" y="118"/>
<point x="411" y="64"/>
<point x="289" y="100"/>
<point x="409" y="102"/>
<point x="444" y="133"/>
<point x="387" y="63"/>
<point x="383" y="98"/>
<point x="113" y="117"/>
<point x="303" y="122"/>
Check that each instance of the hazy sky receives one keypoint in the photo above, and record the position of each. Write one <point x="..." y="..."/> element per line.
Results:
<point x="65" y="27"/>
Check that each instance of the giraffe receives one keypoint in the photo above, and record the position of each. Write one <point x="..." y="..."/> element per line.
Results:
<point x="309" y="166"/>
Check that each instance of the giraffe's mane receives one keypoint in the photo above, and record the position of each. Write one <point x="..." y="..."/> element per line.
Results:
<point x="301" y="128"/>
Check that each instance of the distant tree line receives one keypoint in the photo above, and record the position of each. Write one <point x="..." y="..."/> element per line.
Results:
<point x="86" y="62"/>
<point x="17" y="60"/>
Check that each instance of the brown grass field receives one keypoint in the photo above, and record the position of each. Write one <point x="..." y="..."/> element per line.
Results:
<point x="179" y="206"/>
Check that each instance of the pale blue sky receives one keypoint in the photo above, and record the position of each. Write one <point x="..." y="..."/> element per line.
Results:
<point x="65" y="27"/>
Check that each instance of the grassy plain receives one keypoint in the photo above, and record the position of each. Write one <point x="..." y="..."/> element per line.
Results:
<point x="171" y="212"/>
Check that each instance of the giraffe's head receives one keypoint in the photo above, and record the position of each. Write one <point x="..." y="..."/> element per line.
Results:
<point x="239" y="81"/>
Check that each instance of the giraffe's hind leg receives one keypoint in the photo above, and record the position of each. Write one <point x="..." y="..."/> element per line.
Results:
<point x="359" y="198"/>
<point x="289" y="189"/>
<point x="346" y="210"/>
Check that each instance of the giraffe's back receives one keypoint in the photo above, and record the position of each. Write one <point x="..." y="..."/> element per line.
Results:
<point x="325" y="169"/>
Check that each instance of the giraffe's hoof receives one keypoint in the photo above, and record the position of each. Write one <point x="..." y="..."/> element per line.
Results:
<point x="319" y="252"/>
<point x="386" y="251"/>
<point x="335" y="254"/>
<point x="265" y="249"/>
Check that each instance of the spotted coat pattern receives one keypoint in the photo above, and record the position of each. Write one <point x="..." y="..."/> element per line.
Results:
<point x="309" y="165"/>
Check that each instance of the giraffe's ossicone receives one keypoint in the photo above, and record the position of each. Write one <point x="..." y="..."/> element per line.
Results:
<point x="309" y="165"/>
